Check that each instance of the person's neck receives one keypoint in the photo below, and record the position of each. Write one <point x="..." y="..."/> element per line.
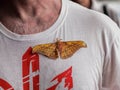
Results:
<point x="42" y="9"/>
<point x="39" y="14"/>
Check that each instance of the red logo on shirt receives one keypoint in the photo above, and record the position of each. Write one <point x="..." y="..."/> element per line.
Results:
<point x="67" y="75"/>
<point x="5" y="85"/>
<point x="30" y="73"/>
<point x="30" y="69"/>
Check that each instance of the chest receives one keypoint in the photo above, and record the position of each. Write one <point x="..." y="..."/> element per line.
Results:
<point x="78" y="71"/>
<point x="82" y="71"/>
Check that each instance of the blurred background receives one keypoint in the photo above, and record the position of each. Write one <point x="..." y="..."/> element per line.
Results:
<point x="111" y="8"/>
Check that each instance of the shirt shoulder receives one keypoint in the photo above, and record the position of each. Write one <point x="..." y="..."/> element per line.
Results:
<point x="90" y="17"/>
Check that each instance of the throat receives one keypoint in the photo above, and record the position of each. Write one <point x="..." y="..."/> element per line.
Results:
<point x="37" y="19"/>
<point x="32" y="26"/>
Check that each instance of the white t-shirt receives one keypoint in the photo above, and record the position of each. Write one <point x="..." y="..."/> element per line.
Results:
<point x="96" y="67"/>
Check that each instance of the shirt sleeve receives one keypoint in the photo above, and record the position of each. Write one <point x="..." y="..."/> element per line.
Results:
<point x="111" y="70"/>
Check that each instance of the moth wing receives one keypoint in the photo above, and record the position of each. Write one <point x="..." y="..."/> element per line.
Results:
<point x="67" y="49"/>
<point x="48" y="50"/>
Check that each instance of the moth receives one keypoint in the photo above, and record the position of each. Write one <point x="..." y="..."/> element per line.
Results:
<point x="62" y="49"/>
